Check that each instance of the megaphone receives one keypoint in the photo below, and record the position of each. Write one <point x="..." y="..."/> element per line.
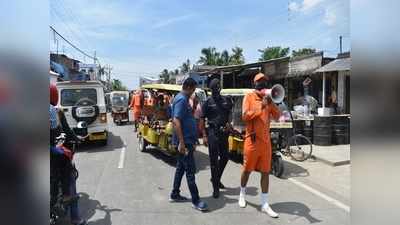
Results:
<point x="276" y="93"/>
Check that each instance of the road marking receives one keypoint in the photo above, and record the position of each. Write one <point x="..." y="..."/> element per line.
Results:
<point x="322" y="195"/>
<point x="122" y="157"/>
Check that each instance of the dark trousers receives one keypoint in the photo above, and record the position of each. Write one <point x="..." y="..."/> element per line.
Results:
<point x="186" y="164"/>
<point x="218" y="152"/>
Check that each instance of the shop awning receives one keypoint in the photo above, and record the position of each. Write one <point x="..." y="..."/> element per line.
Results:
<point x="342" y="64"/>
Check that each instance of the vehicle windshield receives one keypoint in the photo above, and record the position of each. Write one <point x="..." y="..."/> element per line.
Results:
<point x="69" y="97"/>
<point x="120" y="100"/>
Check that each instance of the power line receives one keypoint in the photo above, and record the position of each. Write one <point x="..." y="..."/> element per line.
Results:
<point x="67" y="27"/>
<point x="72" y="45"/>
<point x="75" y="19"/>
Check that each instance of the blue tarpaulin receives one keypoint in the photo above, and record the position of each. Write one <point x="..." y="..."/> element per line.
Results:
<point x="60" y="69"/>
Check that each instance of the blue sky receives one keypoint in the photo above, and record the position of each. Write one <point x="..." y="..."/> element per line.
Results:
<point x="143" y="37"/>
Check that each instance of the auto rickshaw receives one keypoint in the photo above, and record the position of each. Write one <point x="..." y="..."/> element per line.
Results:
<point x="155" y="124"/>
<point x="119" y="106"/>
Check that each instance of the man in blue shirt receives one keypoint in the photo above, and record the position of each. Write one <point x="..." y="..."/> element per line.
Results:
<point x="184" y="138"/>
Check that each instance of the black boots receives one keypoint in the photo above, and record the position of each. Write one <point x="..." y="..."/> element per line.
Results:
<point x="216" y="193"/>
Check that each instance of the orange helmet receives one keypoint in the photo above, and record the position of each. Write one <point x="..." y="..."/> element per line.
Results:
<point x="53" y="94"/>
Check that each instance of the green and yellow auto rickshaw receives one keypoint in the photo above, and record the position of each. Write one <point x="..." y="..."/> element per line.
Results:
<point x="155" y="125"/>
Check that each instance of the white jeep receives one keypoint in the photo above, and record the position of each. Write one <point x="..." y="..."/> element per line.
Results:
<point x="85" y="101"/>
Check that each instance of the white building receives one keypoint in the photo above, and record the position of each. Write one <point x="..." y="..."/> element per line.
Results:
<point x="91" y="69"/>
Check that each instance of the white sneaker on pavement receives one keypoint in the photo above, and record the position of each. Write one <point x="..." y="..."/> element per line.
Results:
<point x="242" y="201"/>
<point x="267" y="209"/>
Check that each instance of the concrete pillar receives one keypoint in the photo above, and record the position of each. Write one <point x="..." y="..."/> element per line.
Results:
<point x="323" y="89"/>
<point x="222" y="79"/>
<point x="341" y="90"/>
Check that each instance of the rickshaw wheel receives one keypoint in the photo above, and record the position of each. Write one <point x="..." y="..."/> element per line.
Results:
<point x="277" y="166"/>
<point x="142" y="144"/>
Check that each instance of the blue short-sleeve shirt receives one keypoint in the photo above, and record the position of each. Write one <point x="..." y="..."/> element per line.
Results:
<point x="181" y="110"/>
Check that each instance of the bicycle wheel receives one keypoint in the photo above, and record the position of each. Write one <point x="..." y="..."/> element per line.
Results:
<point x="299" y="147"/>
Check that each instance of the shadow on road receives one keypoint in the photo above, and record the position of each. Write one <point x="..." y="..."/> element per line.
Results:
<point x="225" y="197"/>
<point x="89" y="207"/>
<point x="291" y="208"/>
<point x="295" y="208"/>
<point x="293" y="170"/>
<point x="202" y="159"/>
<point x="160" y="155"/>
<point x="290" y="169"/>
<point x="114" y="142"/>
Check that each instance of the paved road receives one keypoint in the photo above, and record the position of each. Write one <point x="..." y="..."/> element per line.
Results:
<point x="121" y="186"/>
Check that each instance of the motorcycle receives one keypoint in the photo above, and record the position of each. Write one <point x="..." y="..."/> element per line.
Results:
<point x="59" y="207"/>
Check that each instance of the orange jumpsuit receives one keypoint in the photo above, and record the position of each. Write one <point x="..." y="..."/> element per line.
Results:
<point x="257" y="155"/>
<point x="135" y="105"/>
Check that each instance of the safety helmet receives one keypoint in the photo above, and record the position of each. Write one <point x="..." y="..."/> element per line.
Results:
<point x="53" y="94"/>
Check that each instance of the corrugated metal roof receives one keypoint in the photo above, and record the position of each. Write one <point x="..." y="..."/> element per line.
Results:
<point x="342" y="64"/>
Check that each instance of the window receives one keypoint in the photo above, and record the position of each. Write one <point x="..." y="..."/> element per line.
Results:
<point x="69" y="97"/>
<point x="120" y="100"/>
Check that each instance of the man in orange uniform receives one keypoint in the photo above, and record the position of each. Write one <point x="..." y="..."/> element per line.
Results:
<point x="136" y="106"/>
<point x="257" y="110"/>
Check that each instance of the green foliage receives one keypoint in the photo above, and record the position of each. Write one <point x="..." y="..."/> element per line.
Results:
<point x="237" y="57"/>
<point x="273" y="53"/>
<point x="211" y="57"/>
<point x="164" y="76"/>
<point x="303" y="51"/>
<point x="117" y="85"/>
<point x="224" y="58"/>
<point x="185" y="66"/>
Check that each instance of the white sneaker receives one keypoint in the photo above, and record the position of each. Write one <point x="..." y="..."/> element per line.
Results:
<point x="242" y="201"/>
<point x="269" y="211"/>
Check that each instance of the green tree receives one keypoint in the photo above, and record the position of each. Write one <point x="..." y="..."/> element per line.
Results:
<point x="117" y="85"/>
<point x="185" y="66"/>
<point x="209" y="56"/>
<point x="303" y="51"/>
<point x="273" y="53"/>
<point x="164" y="76"/>
<point x="237" y="57"/>
<point x="223" y="58"/>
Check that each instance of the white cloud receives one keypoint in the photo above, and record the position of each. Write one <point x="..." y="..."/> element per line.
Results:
<point x="330" y="17"/>
<point x="294" y="6"/>
<point x="170" y="21"/>
<point x="310" y="4"/>
<point x="305" y="6"/>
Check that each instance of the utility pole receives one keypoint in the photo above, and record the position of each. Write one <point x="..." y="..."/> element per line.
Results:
<point x="340" y="40"/>
<point x="109" y="77"/>
<point x="94" y="59"/>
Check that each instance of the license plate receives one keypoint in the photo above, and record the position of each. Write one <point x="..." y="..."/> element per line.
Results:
<point x="97" y="137"/>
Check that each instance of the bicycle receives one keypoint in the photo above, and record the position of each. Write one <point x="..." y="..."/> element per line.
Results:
<point x="297" y="146"/>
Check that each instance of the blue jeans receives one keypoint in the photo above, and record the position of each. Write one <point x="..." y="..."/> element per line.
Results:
<point x="186" y="164"/>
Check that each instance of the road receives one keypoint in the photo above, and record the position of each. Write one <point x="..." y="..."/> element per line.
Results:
<point x="120" y="185"/>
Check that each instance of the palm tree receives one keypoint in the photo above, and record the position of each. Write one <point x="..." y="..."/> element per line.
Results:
<point x="164" y="76"/>
<point x="209" y="56"/>
<point x="223" y="59"/>
<point x="185" y="66"/>
<point x="237" y="57"/>
<point x="303" y="51"/>
<point x="273" y="53"/>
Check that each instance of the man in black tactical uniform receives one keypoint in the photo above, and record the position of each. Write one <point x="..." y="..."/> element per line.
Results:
<point x="217" y="110"/>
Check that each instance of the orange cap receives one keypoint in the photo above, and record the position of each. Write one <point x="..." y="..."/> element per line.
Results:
<point x="260" y="76"/>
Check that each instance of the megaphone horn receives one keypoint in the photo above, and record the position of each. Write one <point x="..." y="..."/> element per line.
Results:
<point x="276" y="93"/>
